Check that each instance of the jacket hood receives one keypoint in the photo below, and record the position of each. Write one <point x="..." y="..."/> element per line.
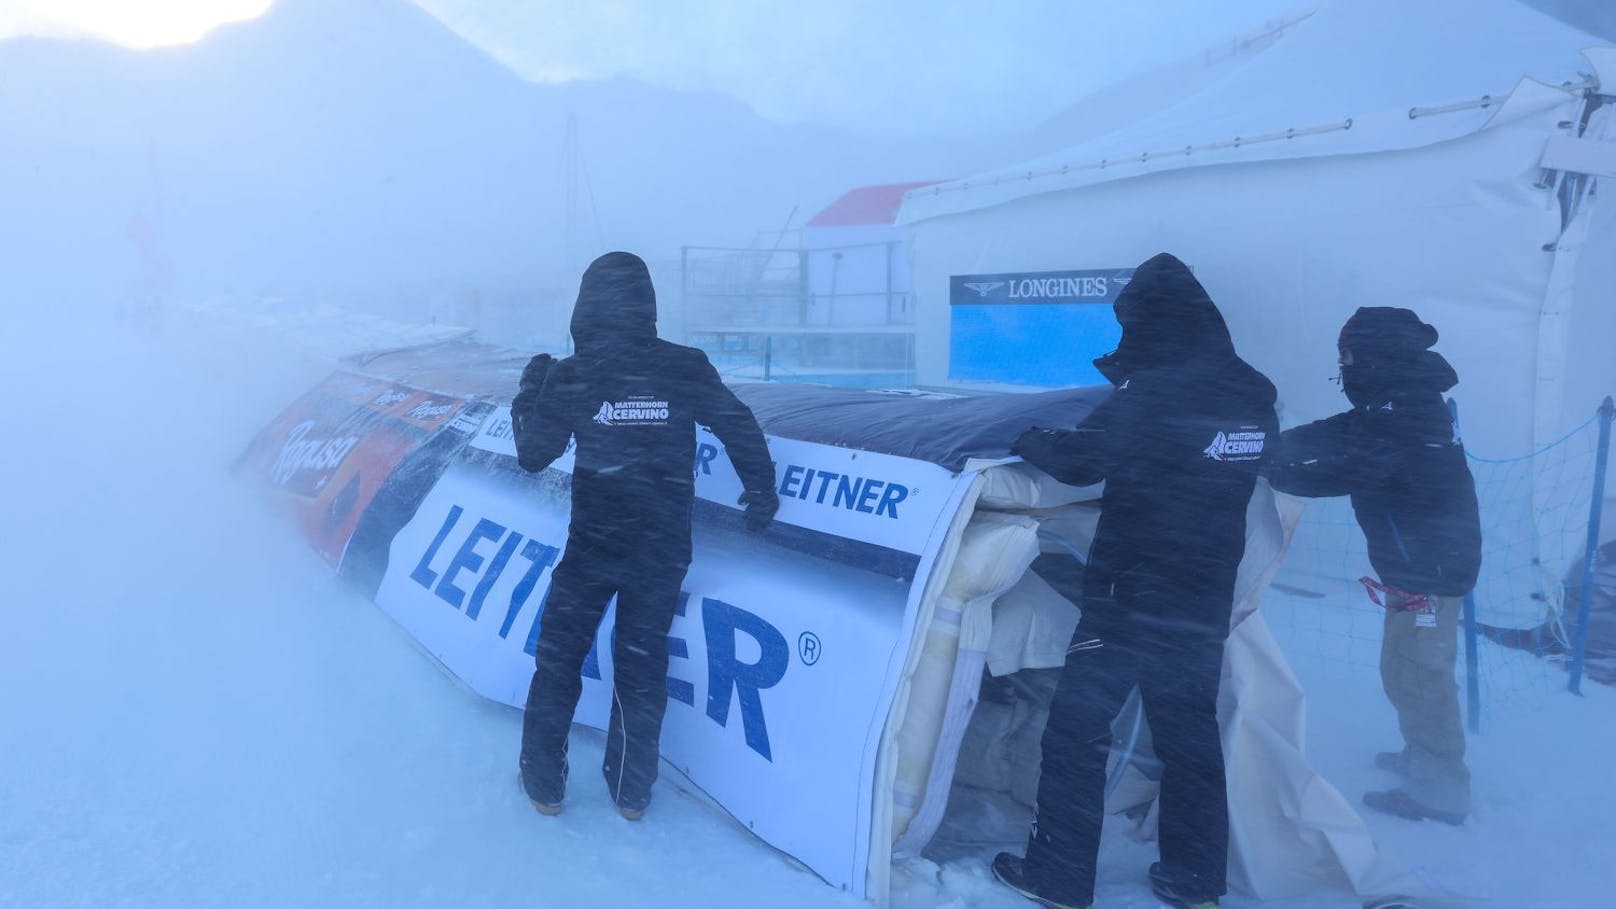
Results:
<point x="1391" y="356"/>
<point x="616" y="303"/>
<point x="1378" y="334"/>
<point x="1167" y="319"/>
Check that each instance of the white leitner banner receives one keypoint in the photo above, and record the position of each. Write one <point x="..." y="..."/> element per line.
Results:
<point x="786" y="650"/>
<point x="874" y="498"/>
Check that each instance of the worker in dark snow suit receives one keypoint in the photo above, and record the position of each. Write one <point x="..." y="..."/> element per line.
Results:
<point x="1179" y="444"/>
<point x="1398" y="455"/>
<point x="631" y="402"/>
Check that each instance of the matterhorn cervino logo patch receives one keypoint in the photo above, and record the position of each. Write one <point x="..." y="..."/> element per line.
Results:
<point x="1244" y="445"/>
<point x="633" y="412"/>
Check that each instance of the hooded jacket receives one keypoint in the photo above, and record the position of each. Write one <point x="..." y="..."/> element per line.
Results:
<point x="1178" y="444"/>
<point x="1397" y="454"/>
<point x="631" y="400"/>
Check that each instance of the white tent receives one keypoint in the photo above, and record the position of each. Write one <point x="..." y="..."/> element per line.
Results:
<point x="1434" y="155"/>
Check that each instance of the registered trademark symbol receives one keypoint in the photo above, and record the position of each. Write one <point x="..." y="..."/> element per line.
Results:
<point x="809" y="648"/>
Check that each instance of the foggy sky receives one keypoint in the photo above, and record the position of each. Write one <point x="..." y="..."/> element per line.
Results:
<point x="907" y="66"/>
<point x="903" y="67"/>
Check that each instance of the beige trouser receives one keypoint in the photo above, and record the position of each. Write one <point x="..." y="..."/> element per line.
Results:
<point x="1416" y="667"/>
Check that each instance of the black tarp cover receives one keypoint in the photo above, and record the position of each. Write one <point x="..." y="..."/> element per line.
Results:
<point x="945" y="429"/>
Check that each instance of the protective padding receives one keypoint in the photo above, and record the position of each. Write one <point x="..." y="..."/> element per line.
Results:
<point x="1291" y="831"/>
<point x="994" y="552"/>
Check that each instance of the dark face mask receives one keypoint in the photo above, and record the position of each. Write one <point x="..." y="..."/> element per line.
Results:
<point x="1113" y="368"/>
<point x="1360" y="383"/>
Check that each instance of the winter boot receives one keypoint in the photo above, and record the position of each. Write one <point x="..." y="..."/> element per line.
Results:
<point x="541" y="782"/>
<point x="631" y="805"/>
<point x="1008" y="869"/>
<point x="1398" y="803"/>
<point x="632" y="810"/>
<point x="547" y="806"/>
<point x="1178" y="891"/>
<point x="1392" y="761"/>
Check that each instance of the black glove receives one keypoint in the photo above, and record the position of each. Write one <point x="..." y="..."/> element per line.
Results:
<point x="537" y="369"/>
<point x="527" y="397"/>
<point x="760" y="508"/>
<point x="1031" y="440"/>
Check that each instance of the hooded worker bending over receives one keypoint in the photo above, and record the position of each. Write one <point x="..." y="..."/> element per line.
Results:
<point x="1178" y="445"/>
<point x="631" y="401"/>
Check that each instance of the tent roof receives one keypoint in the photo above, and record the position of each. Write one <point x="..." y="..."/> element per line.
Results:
<point x="866" y="205"/>
<point x="1358" y="76"/>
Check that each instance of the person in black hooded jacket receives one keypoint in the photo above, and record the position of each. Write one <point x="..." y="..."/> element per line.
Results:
<point x="630" y="401"/>
<point x="1179" y="444"/>
<point x="1398" y="455"/>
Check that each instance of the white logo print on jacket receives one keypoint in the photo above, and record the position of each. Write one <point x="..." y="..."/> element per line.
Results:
<point x="633" y="412"/>
<point x="1237" y="446"/>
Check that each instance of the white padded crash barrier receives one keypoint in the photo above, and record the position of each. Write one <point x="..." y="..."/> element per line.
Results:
<point x="1291" y="831"/>
<point x="995" y="551"/>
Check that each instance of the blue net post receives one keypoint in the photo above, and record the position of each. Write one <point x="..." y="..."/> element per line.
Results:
<point x="1579" y="646"/>
<point x="1472" y="666"/>
<point x="1472" y="658"/>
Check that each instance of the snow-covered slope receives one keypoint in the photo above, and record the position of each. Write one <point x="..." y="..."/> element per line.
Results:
<point x="1134" y="97"/>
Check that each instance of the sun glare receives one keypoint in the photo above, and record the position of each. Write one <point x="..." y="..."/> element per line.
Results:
<point x="140" y="23"/>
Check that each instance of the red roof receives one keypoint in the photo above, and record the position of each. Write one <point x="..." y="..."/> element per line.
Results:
<point x="866" y="205"/>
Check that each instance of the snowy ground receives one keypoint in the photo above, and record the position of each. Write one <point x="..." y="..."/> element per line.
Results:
<point x="195" y="714"/>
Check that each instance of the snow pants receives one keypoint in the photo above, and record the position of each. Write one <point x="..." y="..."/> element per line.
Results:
<point x="1416" y="668"/>
<point x="1178" y="677"/>
<point x="647" y="598"/>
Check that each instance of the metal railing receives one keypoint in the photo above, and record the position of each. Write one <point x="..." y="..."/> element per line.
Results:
<point x="798" y="288"/>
